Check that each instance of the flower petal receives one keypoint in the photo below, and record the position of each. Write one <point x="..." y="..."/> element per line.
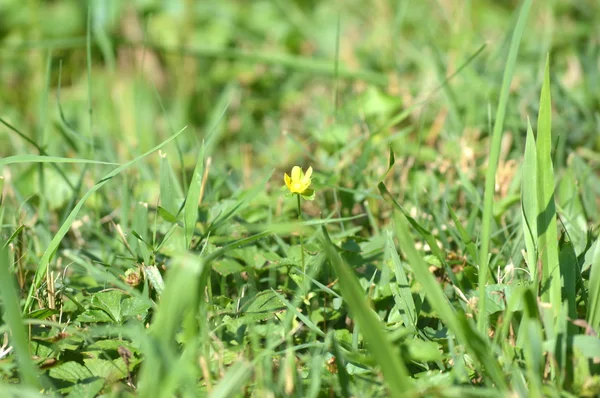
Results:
<point x="308" y="174"/>
<point x="296" y="173"/>
<point x="287" y="180"/>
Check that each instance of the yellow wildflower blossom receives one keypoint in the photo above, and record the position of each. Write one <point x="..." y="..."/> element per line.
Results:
<point x="299" y="182"/>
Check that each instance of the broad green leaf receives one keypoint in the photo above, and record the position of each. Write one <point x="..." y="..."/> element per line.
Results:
<point x="89" y="389"/>
<point x="110" y="371"/>
<point x="70" y="371"/>
<point x="133" y="307"/>
<point x="94" y="316"/>
<point x="109" y="302"/>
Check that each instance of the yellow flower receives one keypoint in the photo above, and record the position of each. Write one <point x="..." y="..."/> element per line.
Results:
<point x="299" y="182"/>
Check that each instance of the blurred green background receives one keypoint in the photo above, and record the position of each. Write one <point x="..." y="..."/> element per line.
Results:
<point x="157" y="66"/>
<point x="267" y="85"/>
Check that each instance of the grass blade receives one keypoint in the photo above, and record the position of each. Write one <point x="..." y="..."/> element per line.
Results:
<point x="401" y="289"/>
<point x="394" y="371"/>
<point x="456" y="322"/>
<point x="12" y="316"/>
<point x="593" y="311"/>
<point x="546" y="217"/>
<point x="190" y="209"/>
<point x="233" y="381"/>
<point x="490" y="178"/>
<point x="49" y="159"/>
<point x="529" y="202"/>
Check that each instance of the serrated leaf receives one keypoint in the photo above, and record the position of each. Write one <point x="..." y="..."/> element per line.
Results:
<point x="94" y="316"/>
<point x="109" y="302"/>
<point x="227" y="266"/>
<point x="132" y="307"/>
<point x="70" y="371"/>
<point x="86" y="390"/>
<point x="107" y="370"/>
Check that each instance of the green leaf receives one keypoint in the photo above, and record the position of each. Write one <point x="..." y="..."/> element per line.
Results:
<point x="300" y="316"/>
<point x="423" y="351"/>
<point x="133" y="307"/>
<point x="227" y="266"/>
<point x="12" y="318"/>
<point x="233" y="381"/>
<point x="70" y="371"/>
<point x="86" y="390"/>
<point x="95" y="316"/>
<point x="309" y="194"/>
<point x="546" y="215"/>
<point x="529" y="204"/>
<point x="190" y="209"/>
<point x="401" y="289"/>
<point x="155" y="278"/>
<point x="593" y="309"/>
<point x="49" y="159"/>
<point x="170" y="191"/>
<point x="109" y="302"/>
<point x="110" y="371"/>
<point x="42" y="313"/>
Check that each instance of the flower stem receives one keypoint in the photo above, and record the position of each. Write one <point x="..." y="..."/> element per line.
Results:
<point x="301" y="237"/>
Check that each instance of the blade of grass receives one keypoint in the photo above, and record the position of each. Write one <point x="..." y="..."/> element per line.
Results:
<point x="11" y="315"/>
<point x="490" y="178"/>
<point x="40" y="273"/>
<point x="170" y="191"/>
<point x="465" y="237"/>
<point x="529" y="202"/>
<point x="456" y="322"/>
<point x="395" y="374"/>
<point x="181" y="295"/>
<point x="233" y="381"/>
<point x="428" y="236"/>
<point x="190" y="209"/>
<point x="546" y="214"/>
<point x="593" y="310"/>
<point x="16" y="159"/>
<point x="401" y="289"/>
<point x="300" y="316"/>
<point x="532" y="344"/>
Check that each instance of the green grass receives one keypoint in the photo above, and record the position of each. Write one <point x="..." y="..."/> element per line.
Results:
<point x="147" y="247"/>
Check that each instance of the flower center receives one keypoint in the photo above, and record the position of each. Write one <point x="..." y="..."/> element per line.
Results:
<point x="296" y="186"/>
